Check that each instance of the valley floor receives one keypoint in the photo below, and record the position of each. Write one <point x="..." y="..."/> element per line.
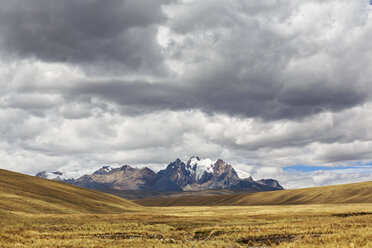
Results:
<point x="348" y="225"/>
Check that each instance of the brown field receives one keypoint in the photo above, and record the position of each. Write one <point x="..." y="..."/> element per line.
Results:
<point x="136" y="195"/>
<point x="21" y="193"/>
<point x="336" y="194"/>
<point x="31" y="215"/>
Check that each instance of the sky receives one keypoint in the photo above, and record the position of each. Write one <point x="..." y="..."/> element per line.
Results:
<point x="278" y="88"/>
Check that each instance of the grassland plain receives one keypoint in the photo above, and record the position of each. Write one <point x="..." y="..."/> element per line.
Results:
<point x="253" y="226"/>
<point x="335" y="194"/>
<point x="108" y="221"/>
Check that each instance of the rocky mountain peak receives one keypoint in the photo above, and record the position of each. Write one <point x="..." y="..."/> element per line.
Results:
<point x="221" y="166"/>
<point x="249" y="179"/>
<point x="103" y="170"/>
<point x="193" y="159"/>
<point x="145" y="169"/>
<point x="41" y="174"/>
<point x="55" y="175"/>
<point x="220" y="162"/>
<point x="177" y="164"/>
<point x="126" y="167"/>
<point x="177" y="172"/>
<point x="178" y="161"/>
<point x="270" y="183"/>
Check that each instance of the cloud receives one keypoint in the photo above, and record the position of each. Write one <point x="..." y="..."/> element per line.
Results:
<point x="266" y="60"/>
<point x="293" y="179"/>
<point x="337" y="152"/>
<point x="253" y="60"/>
<point x="120" y="33"/>
<point x="30" y="101"/>
<point x="271" y="60"/>
<point x="260" y="84"/>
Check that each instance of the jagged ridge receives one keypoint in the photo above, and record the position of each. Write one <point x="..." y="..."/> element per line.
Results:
<point x="194" y="175"/>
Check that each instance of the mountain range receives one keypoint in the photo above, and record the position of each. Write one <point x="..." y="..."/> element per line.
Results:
<point x="194" y="175"/>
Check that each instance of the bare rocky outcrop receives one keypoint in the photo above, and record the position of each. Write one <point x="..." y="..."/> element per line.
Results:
<point x="123" y="178"/>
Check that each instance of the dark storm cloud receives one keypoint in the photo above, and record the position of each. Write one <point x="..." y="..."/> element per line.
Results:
<point x="136" y="94"/>
<point x="82" y="32"/>
<point x="270" y="59"/>
<point x="254" y="60"/>
<point x="239" y="58"/>
<point x="238" y="98"/>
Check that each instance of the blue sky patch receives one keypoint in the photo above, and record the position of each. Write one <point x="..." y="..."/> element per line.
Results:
<point x="310" y="168"/>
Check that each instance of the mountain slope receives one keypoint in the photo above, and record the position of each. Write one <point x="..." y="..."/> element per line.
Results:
<point x="178" y="176"/>
<point x="123" y="178"/>
<point x="22" y="193"/>
<point x="337" y="194"/>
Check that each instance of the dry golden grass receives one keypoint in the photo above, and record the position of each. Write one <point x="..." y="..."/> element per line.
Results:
<point x="252" y="226"/>
<point x="22" y="193"/>
<point x="31" y="215"/>
<point x="337" y="194"/>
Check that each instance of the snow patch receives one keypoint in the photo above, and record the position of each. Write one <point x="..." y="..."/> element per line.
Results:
<point x="74" y="174"/>
<point x="242" y="174"/>
<point x="107" y="168"/>
<point x="66" y="173"/>
<point x="202" y="165"/>
<point x="56" y="176"/>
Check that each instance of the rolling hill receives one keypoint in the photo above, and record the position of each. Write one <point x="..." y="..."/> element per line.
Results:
<point x="337" y="194"/>
<point x="28" y="194"/>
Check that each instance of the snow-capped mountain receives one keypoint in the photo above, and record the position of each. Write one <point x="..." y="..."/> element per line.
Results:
<point x="55" y="175"/>
<point x="200" y="166"/>
<point x="194" y="175"/>
<point x="103" y="171"/>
